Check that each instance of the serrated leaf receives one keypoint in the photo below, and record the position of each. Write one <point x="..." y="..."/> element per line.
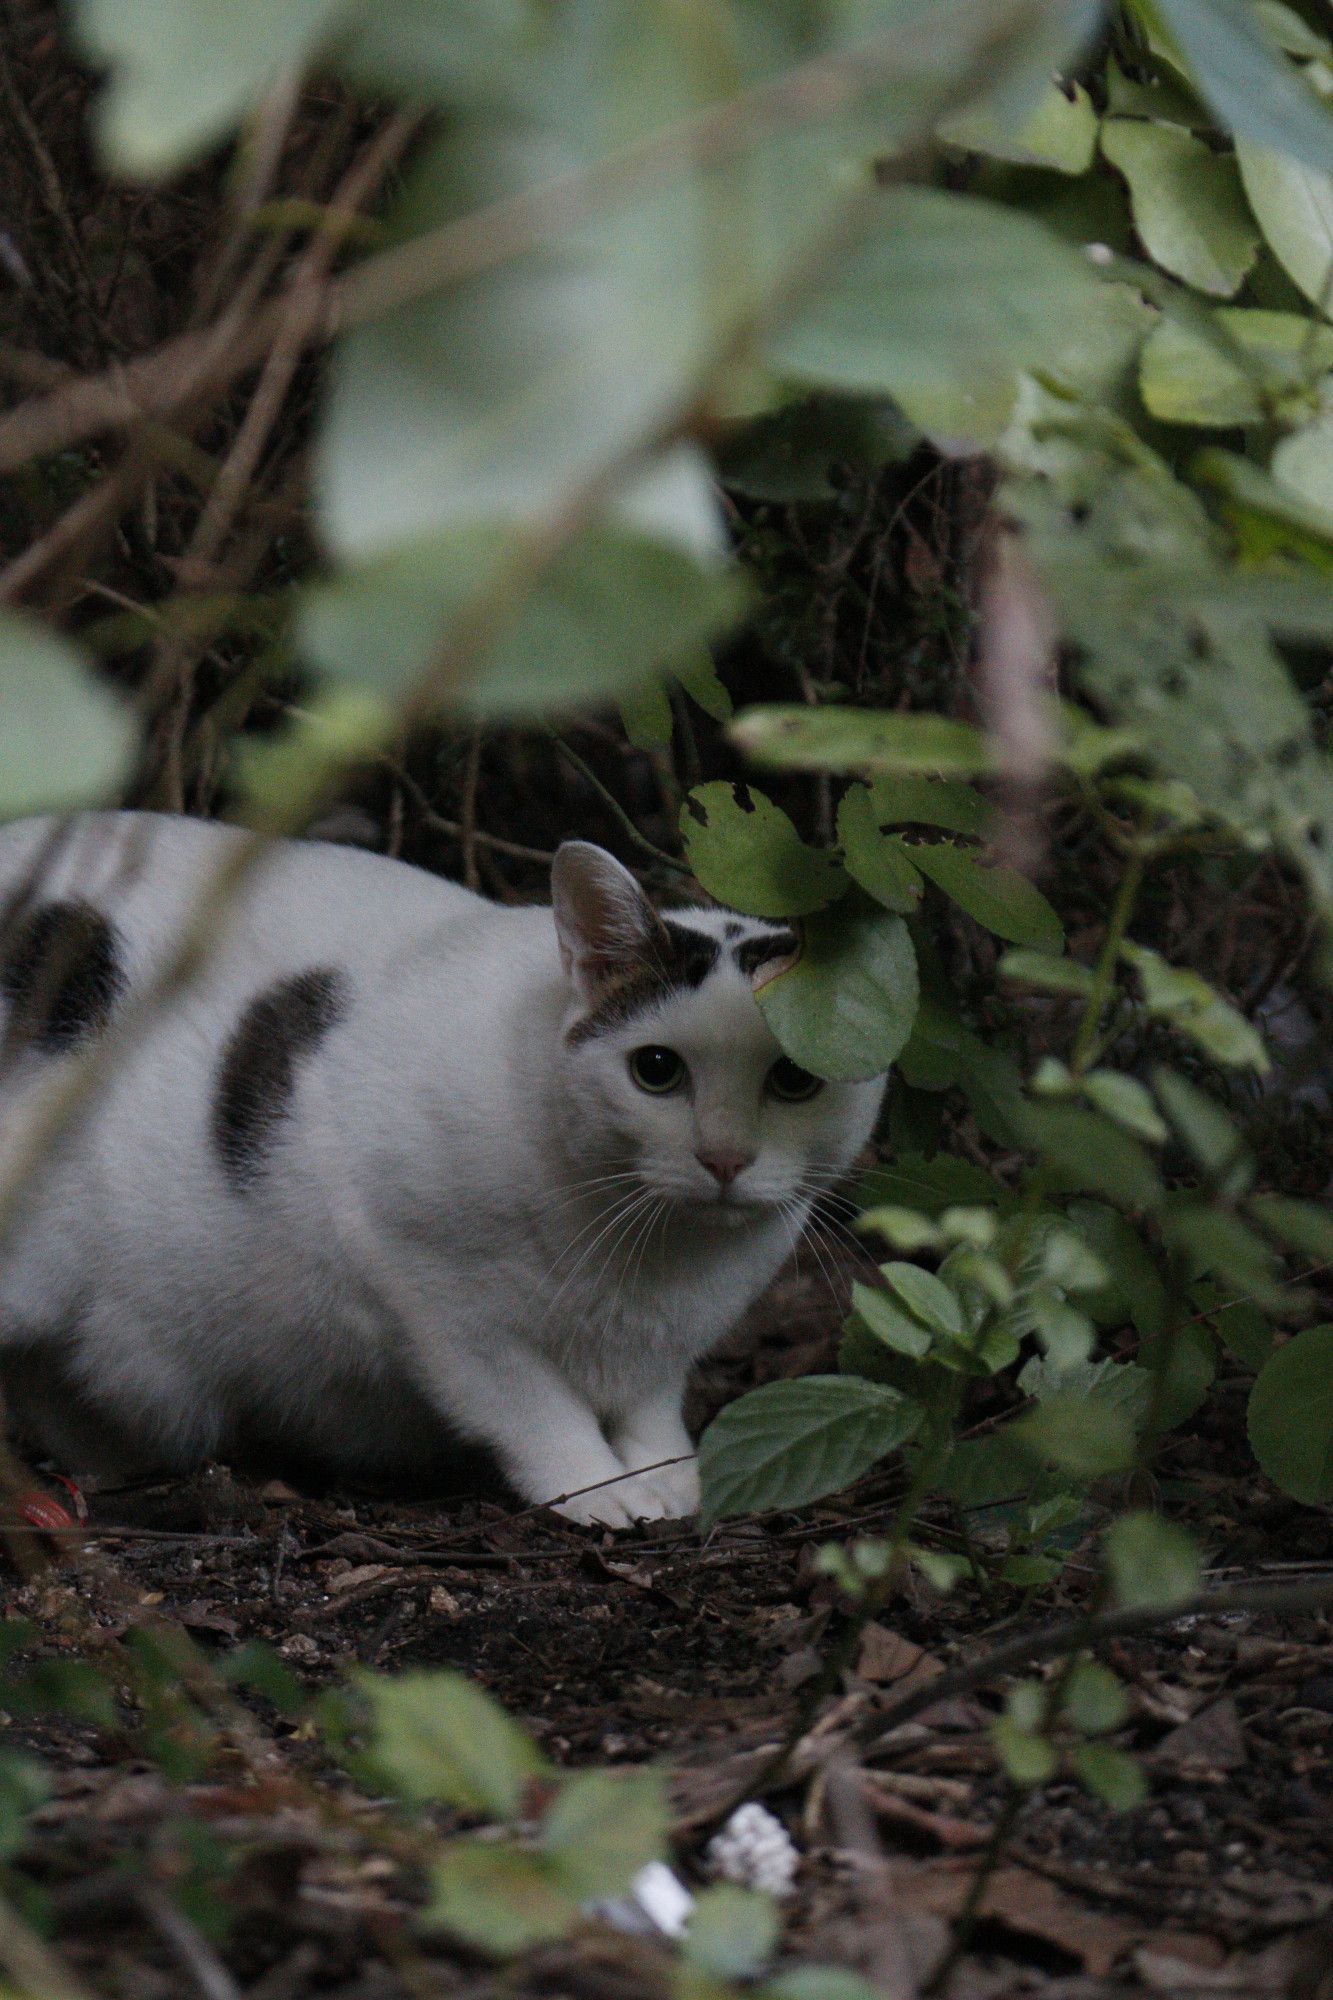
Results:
<point x="64" y="738"/>
<point x="845" y="1008"/>
<point x="887" y="1322"/>
<point x="997" y="897"/>
<point x="437" y="1736"/>
<point x="497" y="1899"/>
<point x="1189" y="207"/>
<point x="874" y="858"/>
<point x="1154" y="1564"/>
<point x="1290" y="1416"/>
<point x="927" y="1297"/>
<point x="855" y="739"/>
<point x="603" y="1827"/>
<point x="746" y="852"/>
<point x="791" y="1442"/>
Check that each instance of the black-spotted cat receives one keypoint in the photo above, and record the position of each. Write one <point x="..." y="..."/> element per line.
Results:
<point x="401" y="1164"/>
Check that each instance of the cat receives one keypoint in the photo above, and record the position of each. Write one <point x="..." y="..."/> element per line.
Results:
<point x="397" y="1166"/>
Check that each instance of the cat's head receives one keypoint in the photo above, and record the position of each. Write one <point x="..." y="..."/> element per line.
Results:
<point x="671" y="1071"/>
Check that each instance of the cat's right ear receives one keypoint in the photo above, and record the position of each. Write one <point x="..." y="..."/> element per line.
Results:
<point x="603" y="920"/>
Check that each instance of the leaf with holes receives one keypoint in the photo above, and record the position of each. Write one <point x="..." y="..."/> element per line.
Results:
<point x="791" y="1442"/>
<point x="746" y="852"/>
<point x="874" y="857"/>
<point x="999" y="898"/>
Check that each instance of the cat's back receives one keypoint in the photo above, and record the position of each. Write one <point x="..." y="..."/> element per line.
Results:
<point x="116" y="893"/>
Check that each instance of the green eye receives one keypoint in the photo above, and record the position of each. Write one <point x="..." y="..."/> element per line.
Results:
<point x="657" y="1070"/>
<point x="791" y="1084"/>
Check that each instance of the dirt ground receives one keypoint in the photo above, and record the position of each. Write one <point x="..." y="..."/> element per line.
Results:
<point x="657" y="1647"/>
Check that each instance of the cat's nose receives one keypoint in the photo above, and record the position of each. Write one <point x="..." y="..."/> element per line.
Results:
<point x="724" y="1167"/>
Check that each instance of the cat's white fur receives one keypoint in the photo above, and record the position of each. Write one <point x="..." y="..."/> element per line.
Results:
<point x="464" y="1213"/>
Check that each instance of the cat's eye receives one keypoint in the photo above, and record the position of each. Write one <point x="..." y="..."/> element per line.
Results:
<point x="791" y="1084"/>
<point x="656" y="1069"/>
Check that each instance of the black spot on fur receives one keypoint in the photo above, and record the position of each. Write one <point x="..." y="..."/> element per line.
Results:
<point x="672" y="958"/>
<point x="731" y="930"/>
<point x="757" y="951"/>
<point x="257" y="1074"/>
<point x="61" y="975"/>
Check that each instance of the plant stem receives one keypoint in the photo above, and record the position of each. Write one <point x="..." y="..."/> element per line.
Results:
<point x="1104" y="974"/>
<point x="617" y="811"/>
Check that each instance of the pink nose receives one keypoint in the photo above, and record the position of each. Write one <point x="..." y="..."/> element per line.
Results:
<point x="724" y="1167"/>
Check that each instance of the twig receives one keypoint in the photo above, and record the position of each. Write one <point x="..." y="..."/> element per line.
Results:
<point x="617" y="811"/>
<point x="1048" y="1640"/>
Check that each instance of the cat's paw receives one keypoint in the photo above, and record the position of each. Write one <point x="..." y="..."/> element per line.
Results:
<point x="664" y="1495"/>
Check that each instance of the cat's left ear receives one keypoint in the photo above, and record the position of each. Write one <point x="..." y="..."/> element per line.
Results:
<point x="604" y="922"/>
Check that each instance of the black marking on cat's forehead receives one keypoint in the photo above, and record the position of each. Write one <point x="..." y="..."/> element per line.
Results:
<point x="62" y="975"/>
<point x="256" y="1077"/>
<point x="761" y="948"/>
<point x="672" y="958"/>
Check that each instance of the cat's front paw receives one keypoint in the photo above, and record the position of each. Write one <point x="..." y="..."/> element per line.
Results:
<point x="664" y="1495"/>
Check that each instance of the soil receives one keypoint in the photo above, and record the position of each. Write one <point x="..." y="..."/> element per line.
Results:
<point x="238" y="1856"/>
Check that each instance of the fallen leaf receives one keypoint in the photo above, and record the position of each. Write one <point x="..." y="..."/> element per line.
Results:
<point x="1213" y="1738"/>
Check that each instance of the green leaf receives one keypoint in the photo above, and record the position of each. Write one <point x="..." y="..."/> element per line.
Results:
<point x="1303" y="1226"/>
<point x="791" y="1442"/>
<point x="874" y="858"/>
<point x="1127" y="1101"/>
<point x="1213" y="1242"/>
<point x="1047" y="973"/>
<point x="436" y="1736"/>
<point x="1187" y="1362"/>
<point x="1086" y="1153"/>
<point x="1207" y="1130"/>
<point x="1246" y="80"/>
<point x="1189" y="207"/>
<point x="939" y="307"/>
<point x="1094" y="1698"/>
<point x="887" y="1322"/>
<point x="857" y="739"/>
<point x="932" y="1185"/>
<point x="844" y="1010"/>
<point x="942" y="802"/>
<point x="1111" y="1775"/>
<point x="1059" y="131"/>
<point x="746" y="852"/>
<point x="1086" y="1438"/>
<point x="731" y="1932"/>
<point x="183" y="74"/>
<point x="927" y="1297"/>
<point x="1291" y="1416"/>
<point x="1153" y="1564"/>
<point x="904" y="1228"/>
<point x="1135" y="1293"/>
<point x="497" y="1899"/>
<point x="1274" y="368"/>
<point x="1244" y="1331"/>
<point x="1189" y="1003"/>
<point x="999" y="898"/>
<point x="645" y="712"/>
<point x="820" y="1982"/>
<point x="1029" y="1760"/>
<point x="602" y="1829"/>
<point x="703" y="684"/>
<point x="1302" y="464"/>
<point x="1293" y="204"/>
<point x="607" y="612"/>
<point x="64" y="738"/>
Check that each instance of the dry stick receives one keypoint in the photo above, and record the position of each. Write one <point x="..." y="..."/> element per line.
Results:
<point x="483" y="240"/>
<point x="192" y="1951"/>
<point x="53" y="194"/>
<point x="1048" y="1640"/>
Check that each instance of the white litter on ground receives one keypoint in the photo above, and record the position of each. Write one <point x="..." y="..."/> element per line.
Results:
<point x="658" y="1904"/>
<point x="754" y="1850"/>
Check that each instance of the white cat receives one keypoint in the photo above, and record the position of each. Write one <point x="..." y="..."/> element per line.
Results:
<point x="399" y="1164"/>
